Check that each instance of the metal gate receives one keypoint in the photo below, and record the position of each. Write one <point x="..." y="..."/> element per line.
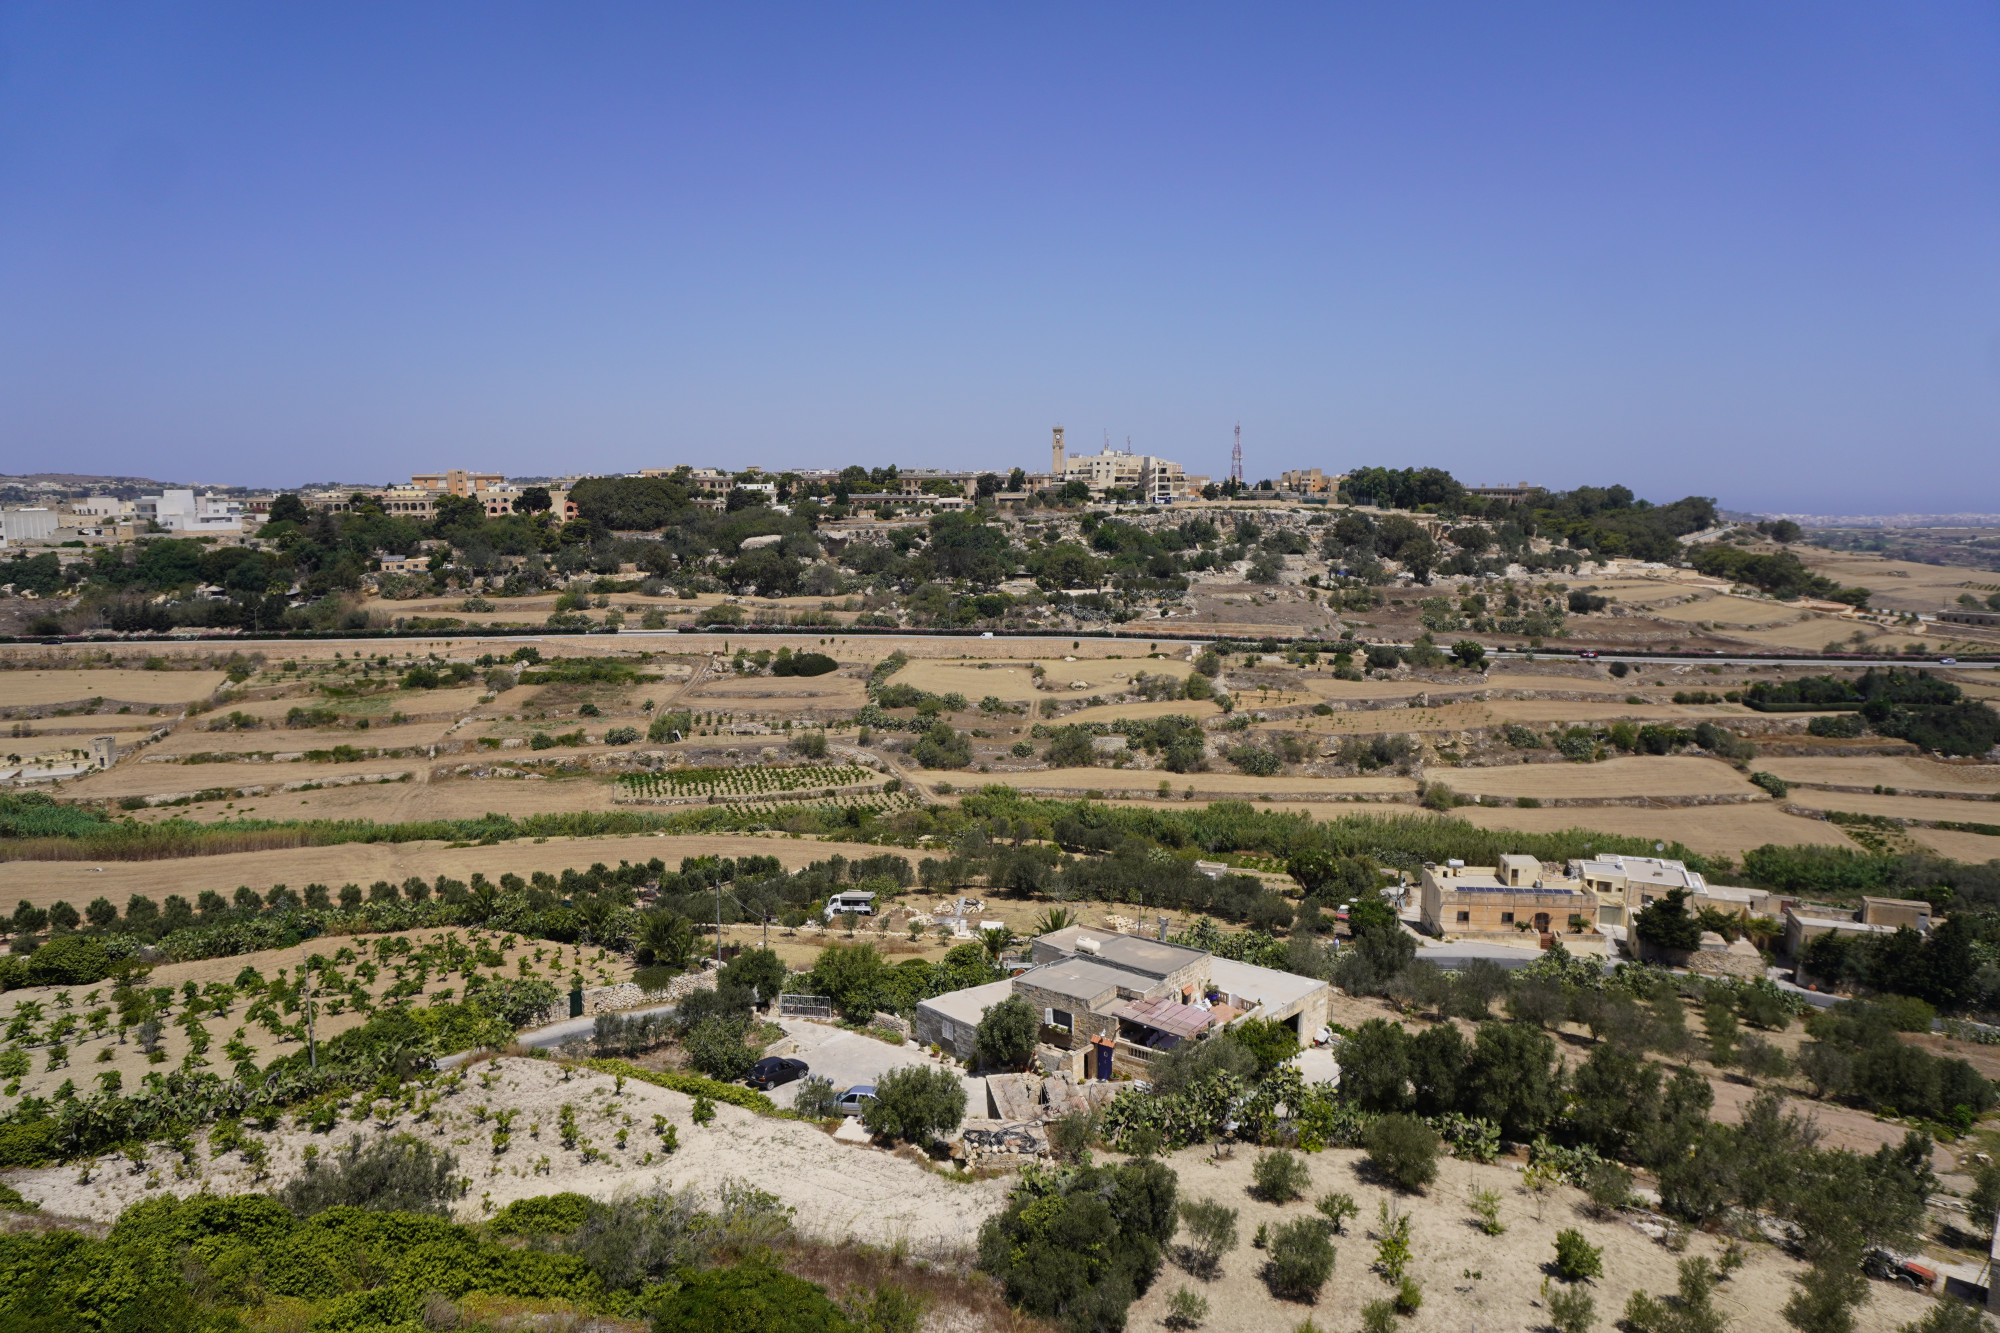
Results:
<point x="804" y="1006"/>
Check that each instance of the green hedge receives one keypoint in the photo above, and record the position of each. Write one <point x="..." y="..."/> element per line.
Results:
<point x="1763" y="707"/>
<point x="30" y="1143"/>
<point x="694" y="1085"/>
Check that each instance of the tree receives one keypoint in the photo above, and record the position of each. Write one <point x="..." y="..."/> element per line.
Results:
<point x="715" y="1048"/>
<point x="665" y="939"/>
<point x="1826" y="1299"/>
<point x="533" y="500"/>
<point x="1469" y="654"/>
<point x="750" y="1297"/>
<point x="1404" y="1149"/>
<point x="1514" y="1079"/>
<point x="1272" y="1042"/>
<point x="1279" y="1177"/>
<point x="1006" y="1034"/>
<point x="941" y="747"/>
<point x="916" y="1104"/>
<point x="402" y="1174"/>
<point x="1082" y="1253"/>
<point x="1667" y="924"/>
<point x="760" y="969"/>
<point x="1577" y="1258"/>
<point x="288" y="508"/>
<point x="1301" y="1260"/>
<point x="851" y="976"/>
<point x="1211" y="1231"/>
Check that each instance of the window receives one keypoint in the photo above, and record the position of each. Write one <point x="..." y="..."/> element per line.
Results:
<point x="1465" y="916"/>
<point x="1062" y="1020"/>
<point x="1506" y="918"/>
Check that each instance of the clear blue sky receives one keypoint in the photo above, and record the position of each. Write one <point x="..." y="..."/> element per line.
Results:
<point x="1740" y="250"/>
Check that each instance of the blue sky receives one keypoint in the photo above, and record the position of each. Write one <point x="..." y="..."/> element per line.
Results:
<point x="1739" y="250"/>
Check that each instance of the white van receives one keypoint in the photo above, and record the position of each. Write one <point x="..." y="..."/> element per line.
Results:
<point x="858" y="901"/>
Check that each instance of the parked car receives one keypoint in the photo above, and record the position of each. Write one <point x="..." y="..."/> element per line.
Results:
<point x="772" y="1070"/>
<point x="855" y="1100"/>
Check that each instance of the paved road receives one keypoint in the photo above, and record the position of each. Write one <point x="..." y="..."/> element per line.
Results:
<point x="847" y="1058"/>
<point x="555" y="1034"/>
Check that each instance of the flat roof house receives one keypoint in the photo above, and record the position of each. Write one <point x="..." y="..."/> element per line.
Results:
<point x="1505" y="901"/>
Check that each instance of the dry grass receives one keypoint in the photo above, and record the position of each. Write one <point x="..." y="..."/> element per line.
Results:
<point x="24" y="689"/>
<point x="1731" y="612"/>
<point x="1663" y="775"/>
<point x="957" y="1297"/>
<point x="1221" y="786"/>
<point x="1974" y="847"/>
<point x="1728" y="830"/>
<point x="1195" y="708"/>
<point x="1899" y="807"/>
<point x="1889" y="771"/>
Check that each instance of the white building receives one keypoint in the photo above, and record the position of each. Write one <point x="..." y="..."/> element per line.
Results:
<point x="184" y="511"/>
<point x="1156" y="480"/>
<point x="27" y="525"/>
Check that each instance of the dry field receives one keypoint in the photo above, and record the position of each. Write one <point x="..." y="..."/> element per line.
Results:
<point x="1470" y="1280"/>
<point x="1196" y="708"/>
<point x="1009" y="678"/>
<point x="1898" y="807"/>
<point x="1212" y="786"/>
<point x="838" y="1189"/>
<point x="28" y="689"/>
<point x="1650" y="775"/>
<point x="1974" y="847"/>
<point x="192" y="738"/>
<point x="1717" y="830"/>
<point x="130" y="779"/>
<point x="1890" y="771"/>
<point x="43" y="882"/>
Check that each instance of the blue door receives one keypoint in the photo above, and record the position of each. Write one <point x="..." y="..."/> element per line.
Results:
<point x="1104" y="1061"/>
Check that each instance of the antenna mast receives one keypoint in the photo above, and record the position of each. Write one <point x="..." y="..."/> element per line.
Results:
<point x="1236" y="457"/>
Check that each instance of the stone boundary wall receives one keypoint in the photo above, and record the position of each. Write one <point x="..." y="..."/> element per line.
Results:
<point x="628" y="995"/>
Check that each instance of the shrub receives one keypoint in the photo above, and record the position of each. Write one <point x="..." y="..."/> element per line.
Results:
<point x="750" y="1297"/>
<point x="1608" y="1184"/>
<point x="400" y="1174"/>
<point x="1336" y="1208"/>
<point x="1084" y="1250"/>
<point x="916" y="1104"/>
<point x="1404" y="1149"/>
<point x="815" y="1098"/>
<point x="1772" y="783"/>
<point x="1486" y="1207"/>
<point x="1570" y="1310"/>
<point x="1948" y="1316"/>
<point x="1279" y="1177"/>
<point x="1577" y="1258"/>
<point x="1210" y="1228"/>
<point x="1186" y="1309"/>
<point x="1378" y="1317"/>
<point x="543" y="1215"/>
<point x="68" y="960"/>
<point x="1006" y="1034"/>
<point x="1690" y="1310"/>
<point x="1840" y="726"/>
<point x="1271" y="1042"/>
<point x="715" y="1048"/>
<point x="1301" y="1260"/>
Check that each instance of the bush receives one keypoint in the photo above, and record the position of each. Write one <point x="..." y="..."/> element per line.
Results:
<point x="758" y="969"/>
<point x="1006" y="1034"/>
<point x="1378" y="1316"/>
<point x="750" y="1297"/>
<point x="803" y="664"/>
<point x="715" y="1048"/>
<point x="68" y="960"/>
<point x="1840" y="726"/>
<point x="1577" y="1258"/>
<point x="1279" y="1177"/>
<point x="1301" y="1260"/>
<point x="1210" y="1229"/>
<point x="1570" y="1311"/>
<point x="815" y="1098"/>
<point x="1336" y="1208"/>
<point x="1186" y="1309"/>
<point x="1084" y="1251"/>
<point x="401" y="1174"/>
<point x="916" y="1103"/>
<point x="543" y="1215"/>
<point x="1404" y="1149"/>
<point x="1271" y="1042"/>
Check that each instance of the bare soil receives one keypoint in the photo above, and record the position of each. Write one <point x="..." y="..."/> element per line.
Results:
<point x="1652" y="775"/>
<point x="1727" y="830"/>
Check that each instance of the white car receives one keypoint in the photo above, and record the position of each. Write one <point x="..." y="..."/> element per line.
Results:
<point x="1947" y="661"/>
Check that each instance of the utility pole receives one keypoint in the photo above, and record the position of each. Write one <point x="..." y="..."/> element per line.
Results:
<point x="718" y="923"/>
<point x="312" y="1046"/>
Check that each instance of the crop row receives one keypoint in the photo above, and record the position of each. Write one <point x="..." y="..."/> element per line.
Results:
<point x="743" y="781"/>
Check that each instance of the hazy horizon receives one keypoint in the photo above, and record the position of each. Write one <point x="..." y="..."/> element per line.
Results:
<point x="1717" y="251"/>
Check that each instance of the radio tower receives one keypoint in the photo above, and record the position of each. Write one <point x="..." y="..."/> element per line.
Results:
<point x="1236" y="458"/>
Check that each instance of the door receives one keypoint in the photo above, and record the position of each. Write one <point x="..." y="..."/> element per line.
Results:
<point x="1542" y="923"/>
<point x="1104" y="1061"/>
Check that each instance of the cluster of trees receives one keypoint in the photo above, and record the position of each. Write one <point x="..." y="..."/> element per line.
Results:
<point x="1917" y="706"/>
<point x="1079" y="1245"/>
<point x="1780" y="573"/>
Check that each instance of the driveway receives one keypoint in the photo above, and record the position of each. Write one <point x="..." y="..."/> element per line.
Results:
<point x="846" y="1058"/>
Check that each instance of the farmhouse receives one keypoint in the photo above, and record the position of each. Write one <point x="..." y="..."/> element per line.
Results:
<point x="1876" y="916"/>
<point x="1107" y="1002"/>
<point x="1505" y="901"/>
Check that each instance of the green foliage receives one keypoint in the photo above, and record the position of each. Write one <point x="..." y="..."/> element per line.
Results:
<point x="1301" y="1260"/>
<point x="716" y="1048"/>
<point x="1486" y="1207"/>
<point x="1078" y="1247"/>
<point x="1006" y="1034"/>
<point x="1392" y="1243"/>
<point x="1337" y="1208"/>
<point x="542" y="1215"/>
<point x="1270" y="1042"/>
<point x="69" y="960"/>
<point x="916" y="1103"/>
<point x="750" y="1297"/>
<point x="693" y="1085"/>
<point x="400" y="1174"/>
<point x="1186" y="1309"/>
<point x="1577" y="1258"/>
<point x="1949" y="1316"/>
<point x="1826" y="1298"/>
<point x="1404" y="1150"/>
<point x="1667" y="924"/>
<point x="1210" y="1228"/>
<point x="760" y="969"/>
<point x="1279" y="1177"/>
<point x="1571" y="1310"/>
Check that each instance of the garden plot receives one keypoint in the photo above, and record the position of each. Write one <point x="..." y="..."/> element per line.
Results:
<point x="1728" y="830"/>
<point x="725" y="690"/>
<point x="35" y="689"/>
<point x="1890" y="771"/>
<point x="1663" y="776"/>
<point x="85" y="1023"/>
<point x="745" y="783"/>
<point x="838" y="1189"/>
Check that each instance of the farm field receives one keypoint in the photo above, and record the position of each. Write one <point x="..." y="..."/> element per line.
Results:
<point x="1212" y="785"/>
<point x="1632" y="775"/>
<point x="129" y="779"/>
<point x="1728" y="830"/>
<point x="1199" y="708"/>
<point x="1974" y="847"/>
<point x="27" y="688"/>
<point x="1899" y="807"/>
<point x="1889" y="771"/>
<point x="188" y="740"/>
<point x="1727" y="612"/>
<point x="43" y="882"/>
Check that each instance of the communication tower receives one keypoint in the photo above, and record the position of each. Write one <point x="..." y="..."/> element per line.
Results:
<point x="1236" y="457"/>
<point x="1056" y="457"/>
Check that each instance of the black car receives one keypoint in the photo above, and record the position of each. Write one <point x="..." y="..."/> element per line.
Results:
<point x="772" y="1070"/>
